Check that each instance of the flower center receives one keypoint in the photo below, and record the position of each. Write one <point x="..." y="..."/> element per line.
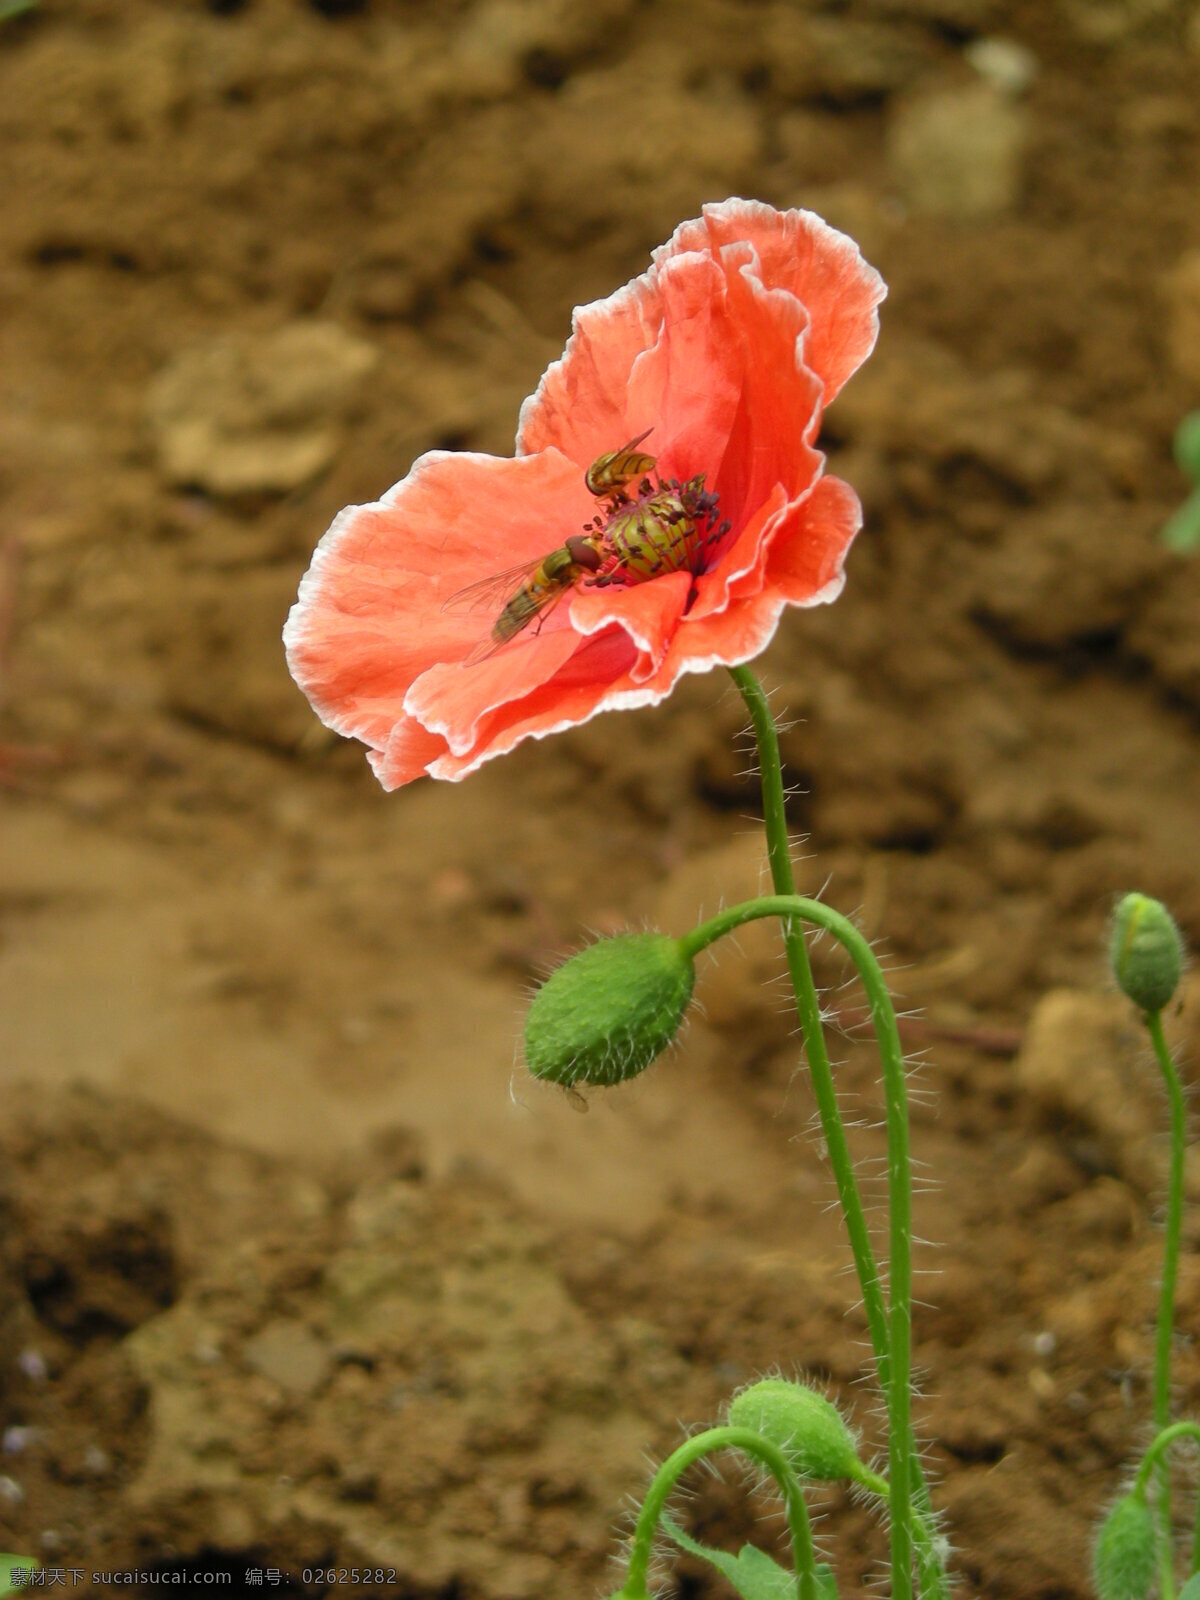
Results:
<point x="667" y="526"/>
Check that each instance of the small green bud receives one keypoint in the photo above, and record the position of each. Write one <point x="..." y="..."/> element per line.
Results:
<point x="1123" y="1559"/>
<point x="1187" y="446"/>
<point x="809" y="1429"/>
<point x="607" y="1013"/>
<point x="1146" y="951"/>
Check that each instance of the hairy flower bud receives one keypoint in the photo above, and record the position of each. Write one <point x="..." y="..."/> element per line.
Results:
<point x="607" y="1013"/>
<point x="1123" y="1560"/>
<point x="1146" y="951"/>
<point x="807" y="1428"/>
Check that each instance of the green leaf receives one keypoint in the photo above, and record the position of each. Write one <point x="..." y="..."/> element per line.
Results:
<point x="752" y="1572"/>
<point x="13" y="8"/>
<point x="1191" y="1589"/>
<point x="10" y="1564"/>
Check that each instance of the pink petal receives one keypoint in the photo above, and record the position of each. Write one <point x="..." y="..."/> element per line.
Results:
<point x="595" y="679"/>
<point x="662" y="353"/>
<point x="369" y="620"/>
<point x="649" y="613"/>
<point x="742" y="567"/>
<point x="780" y="400"/>
<point x="806" y="558"/>
<point x="455" y="700"/>
<point x="801" y="253"/>
<point x="409" y="753"/>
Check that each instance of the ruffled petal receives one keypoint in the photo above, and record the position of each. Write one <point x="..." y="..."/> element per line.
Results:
<point x="596" y="678"/>
<point x="454" y="699"/>
<point x="410" y="752"/>
<point x="649" y="613"/>
<point x="369" y="619"/>
<point x="742" y="568"/>
<point x="799" y="252"/>
<point x="780" y="401"/>
<point x="726" y="638"/>
<point x="582" y="404"/>
<point x="806" y="558"/>
<point x="663" y="353"/>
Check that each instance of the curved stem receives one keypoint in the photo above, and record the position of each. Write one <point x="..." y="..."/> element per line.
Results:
<point x="751" y="1444"/>
<point x="883" y="1018"/>
<point x="1166" y="1299"/>
<point x="1168" y="1436"/>
<point x="1158" y="1446"/>
<point x="890" y="1333"/>
<point x="779" y="857"/>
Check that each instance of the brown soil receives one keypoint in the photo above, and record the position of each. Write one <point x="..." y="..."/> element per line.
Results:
<point x="290" y="1279"/>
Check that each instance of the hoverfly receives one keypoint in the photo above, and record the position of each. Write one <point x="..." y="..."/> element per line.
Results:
<point x="608" y="475"/>
<point x="532" y="589"/>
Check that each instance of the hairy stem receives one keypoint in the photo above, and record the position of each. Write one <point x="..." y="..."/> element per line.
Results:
<point x="1153" y="1458"/>
<point x="924" y="1528"/>
<point x="665" y="1479"/>
<point x="890" y="1330"/>
<point x="796" y="908"/>
<point x="1166" y="1299"/>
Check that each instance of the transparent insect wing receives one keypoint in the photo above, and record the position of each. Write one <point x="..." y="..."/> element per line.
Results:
<point x="494" y="591"/>
<point x="490" y="644"/>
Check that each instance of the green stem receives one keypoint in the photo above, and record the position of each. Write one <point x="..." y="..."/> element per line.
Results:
<point x="701" y="1444"/>
<point x="924" y="1533"/>
<point x="890" y="1333"/>
<point x="1162" y="1442"/>
<point x="779" y="857"/>
<point x="1166" y="1299"/>
<point x="796" y="908"/>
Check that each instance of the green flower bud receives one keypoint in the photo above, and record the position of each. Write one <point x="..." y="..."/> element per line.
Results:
<point x="604" y="1015"/>
<point x="807" y="1428"/>
<point x="1146" y="951"/>
<point x="1123" y="1560"/>
<point x="1187" y="446"/>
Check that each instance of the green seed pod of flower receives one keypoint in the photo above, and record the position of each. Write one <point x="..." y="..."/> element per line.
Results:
<point x="1123" y="1560"/>
<point x="607" y="1013"/>
<point x="809" y="1430"/>
<point x="1146" y="952"/>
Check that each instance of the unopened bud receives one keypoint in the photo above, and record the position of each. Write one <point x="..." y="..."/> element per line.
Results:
<point x="1147" y="951"/>
<point x="607" y="1013"/>
<point x="1123" y="1560"/>
<point x="804" y="1425"/>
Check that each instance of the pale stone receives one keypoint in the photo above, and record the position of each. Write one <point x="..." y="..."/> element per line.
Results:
<point x="258" y="414"/>
<point x="958" y="153"/>
<point x="1006" y="65"/>
<point x="1084" y="1062"/>
<point x="289" y="1355"/>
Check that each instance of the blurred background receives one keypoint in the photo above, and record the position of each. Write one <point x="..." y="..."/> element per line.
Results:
<point x="298" y="1269"/>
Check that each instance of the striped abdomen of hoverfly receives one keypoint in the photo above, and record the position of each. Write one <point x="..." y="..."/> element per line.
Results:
<point x="610" y="474"/>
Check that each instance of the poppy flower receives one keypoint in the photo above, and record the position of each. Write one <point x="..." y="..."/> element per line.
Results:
<point x="666" y="502"/>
